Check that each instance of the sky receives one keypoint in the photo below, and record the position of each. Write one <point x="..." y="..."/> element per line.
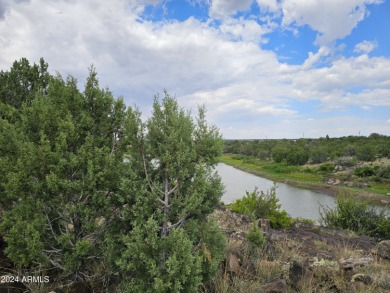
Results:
<point x="263" y="68"/>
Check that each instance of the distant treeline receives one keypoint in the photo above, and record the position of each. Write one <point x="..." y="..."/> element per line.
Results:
<point x="312" y="151"/>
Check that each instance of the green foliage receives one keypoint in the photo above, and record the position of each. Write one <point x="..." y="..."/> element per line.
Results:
<point x="366" y="152"/>
<point x="319" y="150"/>
<point x="383" y="172"/>
<point x="297" y="156"/>
<point x="91" y="192"/>
<point x="319" y="155"/>
<point x="181" y="270"/>
<point x="279" y="154"/>
<point x="25" y="234"/>
<point x="346" y="161"/>
<point x="169" y="189"/>
<point x="281" y="168"/>
<point x="262" y="205"/>
<point x="67" y="153"/>
<point x="22" y="82"/>
<point x="212" y="249"/>
<point x="364" y="171"/>
<point x="356" y="215"/>
<point x="255" y="236"/>
<point x="327" y="167"/>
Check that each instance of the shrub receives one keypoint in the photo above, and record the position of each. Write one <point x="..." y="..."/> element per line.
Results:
<point x="255" y="236"/>
<point x="346" y="161"/>
<point x="297" y="156"/>
<point x="364" y="171"/>
<point x="356" y="215"/>
<point x="319" y="155"/>
<point x="327" y="167"/>
<point x="384" y="172"/>
<point x="366" y="153"/>
<point x="258" y="205"/>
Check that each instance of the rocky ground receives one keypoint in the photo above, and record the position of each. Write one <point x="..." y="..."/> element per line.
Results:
<point x="303" y="258"/>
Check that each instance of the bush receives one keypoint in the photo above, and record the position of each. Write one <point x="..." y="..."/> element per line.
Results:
<point x="319" y="155"/>
<point x="258" y="205"/>
<point x="327" y="167"/>
<point x="366" y="153"/>
<point x="255" y="236"/>
<point x="346" y="161"/>
<point x="297" y="156"/>
<point x="256" y="241"/>
<point x="356" y="215"/>
<point x="364" y="171"/>
<point x="384" y="172"/>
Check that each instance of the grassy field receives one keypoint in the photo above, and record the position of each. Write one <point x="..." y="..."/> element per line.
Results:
<point x="308" y="177"/>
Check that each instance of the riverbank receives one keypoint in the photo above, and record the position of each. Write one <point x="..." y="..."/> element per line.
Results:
<point x="304" y="177"/>
<point x="301" y="258"/>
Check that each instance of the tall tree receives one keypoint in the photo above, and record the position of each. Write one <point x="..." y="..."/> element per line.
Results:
<point x="68" y="164"/>
<point x="170" y="189"/>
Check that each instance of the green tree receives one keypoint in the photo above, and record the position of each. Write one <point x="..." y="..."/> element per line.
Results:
<point x="20" y="84"/>
<point x="69" y="149"/>
<point x="297" y="156"/>
<point x="318" y="155"/>
<point x="279" y="153"/>
<point x="169" y="190"/>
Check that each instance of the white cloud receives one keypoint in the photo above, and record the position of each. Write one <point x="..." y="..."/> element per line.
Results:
<point x="365" y="47"/>
<point x="333" y="19"/>
<point x="314" y="58"/>
<point x="241" y="84"/>
<point x="268" y="5"/>
<point x="225" y="8"/>
<point x="245" y="30"/>
<point x="335" y="84"/>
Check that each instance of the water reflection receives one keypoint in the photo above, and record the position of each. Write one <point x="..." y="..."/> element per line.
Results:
<point x="297" y="202"/>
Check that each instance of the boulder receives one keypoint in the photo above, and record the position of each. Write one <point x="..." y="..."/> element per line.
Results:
<point x="233" y="264"/>
<point x="264" y="225"/>
<point x="351" y="263"/>
<point x="383" y="249"/>
<point x="296" y="273"/>
<point x="363" y="278"/>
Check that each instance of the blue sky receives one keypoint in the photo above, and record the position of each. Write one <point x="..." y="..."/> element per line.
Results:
<point x="264" y="68"/>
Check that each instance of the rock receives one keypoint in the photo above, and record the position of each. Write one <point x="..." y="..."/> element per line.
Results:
<point x="363" y="278"/>
<point x="383" y="249"/>
<point x="296" y="273"/>
<point x="351" y="263"/>
<point x="337" y="182"/>
<point x="264" y="225"/>
<point x="356" y="287"/>
<point x="233" y="264"/>
<point x="278" y="286"/>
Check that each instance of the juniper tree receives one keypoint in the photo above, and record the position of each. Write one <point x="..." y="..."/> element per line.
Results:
<point x="170" y="190"/>
<point x="67" y="166"/>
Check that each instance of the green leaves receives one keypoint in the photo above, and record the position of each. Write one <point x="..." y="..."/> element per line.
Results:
<point x="169" y="190"/>
<point x="67" y="153"/>
<point x="92" y="191"/>
<point x="259" y="205"/>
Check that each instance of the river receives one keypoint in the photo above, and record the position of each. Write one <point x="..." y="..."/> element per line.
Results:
<point x="296" y="201"/>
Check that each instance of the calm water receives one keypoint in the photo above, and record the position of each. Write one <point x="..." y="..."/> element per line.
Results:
<point x="297" y="202"/>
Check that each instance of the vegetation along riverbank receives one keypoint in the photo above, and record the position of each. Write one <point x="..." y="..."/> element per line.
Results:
<point x="355" y="165"/>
